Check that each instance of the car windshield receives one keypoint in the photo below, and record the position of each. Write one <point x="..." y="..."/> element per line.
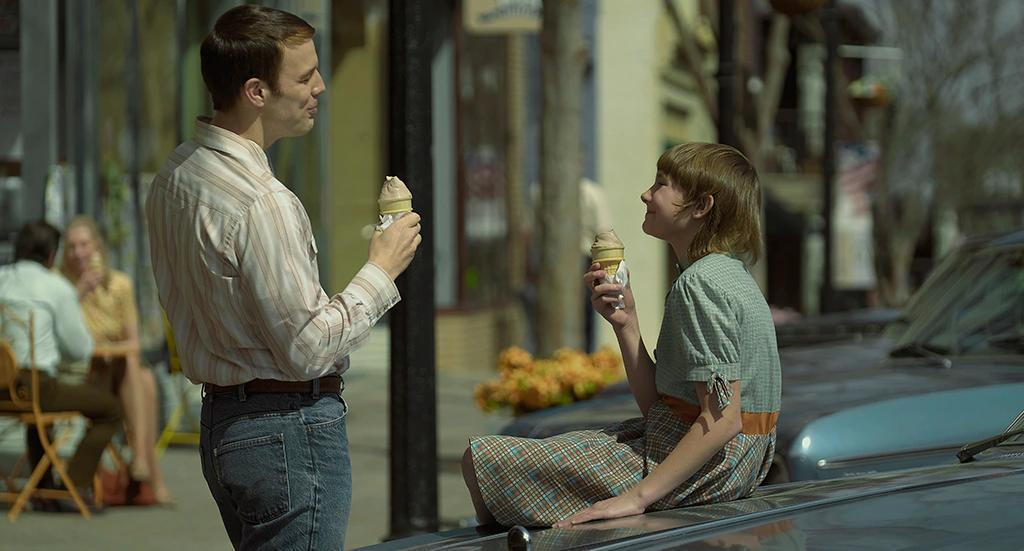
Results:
<point x="939" y="281"/>
<point x="979" y="312"/>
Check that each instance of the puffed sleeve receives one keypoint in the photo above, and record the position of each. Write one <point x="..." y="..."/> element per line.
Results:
<point x="710" y="338"/>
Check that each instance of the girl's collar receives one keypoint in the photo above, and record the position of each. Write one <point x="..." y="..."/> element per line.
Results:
<point x="684" y="263"/>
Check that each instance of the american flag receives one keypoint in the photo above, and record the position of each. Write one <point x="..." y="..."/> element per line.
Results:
<point x="858" y="169"/>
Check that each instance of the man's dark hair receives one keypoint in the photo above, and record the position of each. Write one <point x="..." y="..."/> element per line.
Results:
<point x="248" y="42"/>
<point x="36" y="241"/>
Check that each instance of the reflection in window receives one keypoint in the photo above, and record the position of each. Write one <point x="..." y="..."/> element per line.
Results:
<point x="483" y="132"/>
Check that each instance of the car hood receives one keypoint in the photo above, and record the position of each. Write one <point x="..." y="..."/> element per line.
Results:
<point x="824" y="379"/>
<point x="975" y="505"/>
<point x="816" y="381"/>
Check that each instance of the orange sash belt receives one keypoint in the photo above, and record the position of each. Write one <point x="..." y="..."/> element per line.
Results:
<point x="753" y="423"/>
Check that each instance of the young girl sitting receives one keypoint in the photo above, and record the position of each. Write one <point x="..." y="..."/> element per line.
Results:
<point x="710" y="398"/>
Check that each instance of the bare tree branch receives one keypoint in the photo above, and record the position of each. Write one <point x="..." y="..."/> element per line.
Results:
<point x="933" y="158"/>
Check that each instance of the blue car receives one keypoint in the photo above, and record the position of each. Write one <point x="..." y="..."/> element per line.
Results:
<point x="949" y="369"/>
<point x="973" y="501"/>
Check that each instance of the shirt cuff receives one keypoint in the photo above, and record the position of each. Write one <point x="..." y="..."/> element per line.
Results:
<point x="374" y="288"/>
<point x="704" y="373"/>
<point x="717" y="378"/>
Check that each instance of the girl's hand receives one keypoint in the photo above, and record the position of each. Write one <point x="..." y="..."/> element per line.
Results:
<point x="624" y="505"/>
<point x="604" y="296"/>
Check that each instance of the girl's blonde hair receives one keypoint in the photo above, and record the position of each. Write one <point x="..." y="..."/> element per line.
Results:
<point x="734" y="224"/>
<point x="97" y="239"/>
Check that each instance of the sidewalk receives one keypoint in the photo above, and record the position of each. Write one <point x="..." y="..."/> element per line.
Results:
<point x="195" y="523"/>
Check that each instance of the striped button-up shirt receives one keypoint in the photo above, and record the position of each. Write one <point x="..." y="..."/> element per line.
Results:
<point x="236" y="269"/>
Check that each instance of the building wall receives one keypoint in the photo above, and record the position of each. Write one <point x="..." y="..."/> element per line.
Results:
<point x="629" y="143"/>
<point x="357" y="156"/>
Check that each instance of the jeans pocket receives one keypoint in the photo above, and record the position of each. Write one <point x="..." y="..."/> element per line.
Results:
<point x="254" y="472"/>
<point x="327" y="412"/>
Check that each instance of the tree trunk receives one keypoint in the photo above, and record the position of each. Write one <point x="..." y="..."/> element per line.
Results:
<point x="560" y="286"/>
<point x="777" y="65"/>
<point x="902" y="250"/>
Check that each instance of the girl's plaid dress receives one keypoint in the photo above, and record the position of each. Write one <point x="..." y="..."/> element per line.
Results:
<point x="717" y="328"/>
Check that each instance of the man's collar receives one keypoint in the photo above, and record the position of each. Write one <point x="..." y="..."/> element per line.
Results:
<point x="227" y="142"/>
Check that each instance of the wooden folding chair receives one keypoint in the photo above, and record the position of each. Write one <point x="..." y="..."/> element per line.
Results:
<point x="26" y="410"/>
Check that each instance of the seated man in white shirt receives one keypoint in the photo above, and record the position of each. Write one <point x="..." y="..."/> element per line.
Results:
<point x="29" y="285"/>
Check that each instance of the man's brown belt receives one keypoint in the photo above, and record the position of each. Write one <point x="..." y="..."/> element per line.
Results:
<point x="327" y="385"/>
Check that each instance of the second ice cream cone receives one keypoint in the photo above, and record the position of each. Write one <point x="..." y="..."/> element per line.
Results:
<point x="608" y="251"/>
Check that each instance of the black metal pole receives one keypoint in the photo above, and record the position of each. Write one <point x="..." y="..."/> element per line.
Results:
<point x="828" y="164"/>
<point x="134" y="76"/>
<point x="180" y="49"/>
<point x="88" y="136"/>
<point x="75" y="99"/>
<point x="37" y="55"/>
<point x="727" y="73"/>
<point x="413" y="416"/>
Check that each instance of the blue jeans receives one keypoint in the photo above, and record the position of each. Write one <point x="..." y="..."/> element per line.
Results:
<point x="278" y="468"/>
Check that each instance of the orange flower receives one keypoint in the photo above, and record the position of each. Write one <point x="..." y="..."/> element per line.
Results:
<point x="527" y="384"/>
<point x="514" y="358"/>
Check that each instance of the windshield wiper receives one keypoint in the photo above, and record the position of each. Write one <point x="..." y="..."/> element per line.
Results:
<point x="968" y="452"/>
<point x="922" y="350"/>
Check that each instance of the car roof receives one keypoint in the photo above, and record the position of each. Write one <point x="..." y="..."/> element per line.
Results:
<point x="875" y="510"/>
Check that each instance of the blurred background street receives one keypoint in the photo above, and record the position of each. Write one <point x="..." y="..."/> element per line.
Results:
<point x="886" y="137"/>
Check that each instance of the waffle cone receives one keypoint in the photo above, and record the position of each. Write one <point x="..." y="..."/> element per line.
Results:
<point x="616" y="254"/>
<point x="610" y="266"/>
<point x="395" y="207"/>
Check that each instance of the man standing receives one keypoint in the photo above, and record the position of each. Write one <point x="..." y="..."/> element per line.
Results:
<point x="236" y="268"/>
<point x="31" y="286"/>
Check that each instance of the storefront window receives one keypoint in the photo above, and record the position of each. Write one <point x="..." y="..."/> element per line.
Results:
<point x="483" y="137"/>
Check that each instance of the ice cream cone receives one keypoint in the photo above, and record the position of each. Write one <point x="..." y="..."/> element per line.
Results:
<point x="395" y="198"/>
<point x="608" y="251"/>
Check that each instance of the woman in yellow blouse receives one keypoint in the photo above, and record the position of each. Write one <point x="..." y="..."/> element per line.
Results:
<point x="108" y="304"/>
